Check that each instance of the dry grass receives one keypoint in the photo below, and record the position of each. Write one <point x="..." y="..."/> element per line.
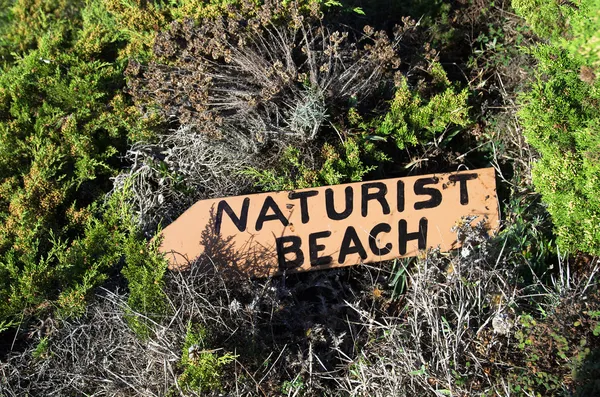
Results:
<point x="325" y="330"/>
<point x="449" y="305"/>
<point x="280" y="329"/>
<point x="183" y="166"/>
<point x="456" y="332"/>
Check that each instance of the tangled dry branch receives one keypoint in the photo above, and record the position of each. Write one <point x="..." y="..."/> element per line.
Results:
<point x="166" y="177"/>
<point x="268" y="80"/>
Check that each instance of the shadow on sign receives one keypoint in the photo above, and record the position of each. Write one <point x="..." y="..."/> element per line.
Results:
<point x="250" y="258"/>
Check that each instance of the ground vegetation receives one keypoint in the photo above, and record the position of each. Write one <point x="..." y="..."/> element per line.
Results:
<point x="117" y="115"/>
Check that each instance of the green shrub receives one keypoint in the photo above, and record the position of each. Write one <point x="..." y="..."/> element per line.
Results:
<point x="42" y="348"/>
<point x="572" y="25"/>
<point x="409" y="121"/>
<point x="57" y="143"/>
<point x="557" y="354"/>
<point x="584" y="37"/>
<point x="144" y="270"/>
<point x="417" y="115"/>
<point x="292" y="387"/>
<point x="28" y="22"/>
<point x="63" y="122"/>
<point x="548" y="18"/>
<point x="337" y="165"/>
<point x="202" y="367"/>
<point x="561" y="116"/>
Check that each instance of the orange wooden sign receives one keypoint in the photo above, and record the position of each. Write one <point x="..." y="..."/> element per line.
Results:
<point x="331" y="226"/>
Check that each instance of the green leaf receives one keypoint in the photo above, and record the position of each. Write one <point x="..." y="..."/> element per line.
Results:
<point x="332" y="3"/>
<point x="420" y="372"/>
<point x="4" y="325"/>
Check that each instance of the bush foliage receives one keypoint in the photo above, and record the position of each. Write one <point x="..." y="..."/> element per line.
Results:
<point x="117" y="115"/>
<point x="63" y="122"/>
<point x="203" y="367"/>
<point x="561" y="116"/>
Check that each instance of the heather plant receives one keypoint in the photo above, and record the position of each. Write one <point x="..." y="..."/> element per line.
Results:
<point x="251" y="77"/>
<point x="560" y="115"/>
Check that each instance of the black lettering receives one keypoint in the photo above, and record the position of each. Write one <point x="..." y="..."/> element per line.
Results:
<point x="400" y="196"/>
<point x="303" y="196"/>
<point x="463" y="178"/>
<point x="295" y="243"/>
<point x="404" y="237"/>
<point x="351" y="245"/>
<point x="239" y="222"/>
<point x="270" y="204"/>
<point x="329" y="204"/>
<point x="379" y="195"/>
<point x="314" y="248"/>
<point x="380" y="228"/>
<point x="435" y="194"/>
